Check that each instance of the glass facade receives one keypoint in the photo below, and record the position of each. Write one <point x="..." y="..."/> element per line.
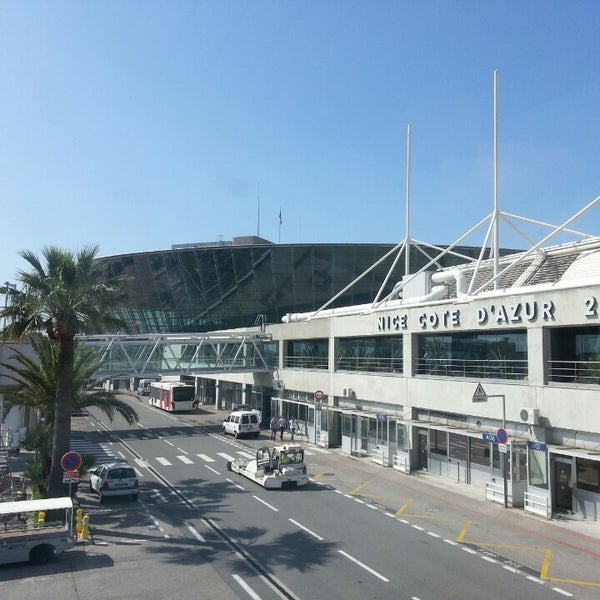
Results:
<point x="501" y="355"/>
<point x="370" y="354"/>
<point x="209" y="288"/>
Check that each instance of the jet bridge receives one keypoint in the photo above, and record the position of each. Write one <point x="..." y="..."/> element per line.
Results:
<point x="151" y="355"/>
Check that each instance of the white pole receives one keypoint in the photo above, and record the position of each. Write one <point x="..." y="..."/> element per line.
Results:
<point x="496" y="242"/>
<point x="407" y="201"/>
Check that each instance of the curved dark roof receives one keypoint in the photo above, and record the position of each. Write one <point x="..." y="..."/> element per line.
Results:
<point x="209" y="288"/>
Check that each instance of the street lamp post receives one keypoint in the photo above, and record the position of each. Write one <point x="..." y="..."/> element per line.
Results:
<point x="481" y="396"/>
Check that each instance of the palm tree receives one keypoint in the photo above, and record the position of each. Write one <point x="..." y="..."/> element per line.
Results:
<point x="64" y="294"/>
<point x="36" y="377"/>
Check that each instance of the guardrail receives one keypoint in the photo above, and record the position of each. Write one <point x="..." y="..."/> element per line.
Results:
<point x="401" y="464"/>
<point x="494" y="492"/>
<point x="377" y="456"/>
<point x="539" y="505"/>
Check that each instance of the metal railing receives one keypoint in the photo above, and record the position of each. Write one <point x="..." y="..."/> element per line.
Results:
<point x="370" y="364"/>
<point x="401" y="463"/>
<point x="494" y="492"/>
<point x="473" y="368"/>
<point x="574" y="371"/>
<point x="539" y="505"/>
<point x="307" y="362"/>
<point x="377" y="456"/>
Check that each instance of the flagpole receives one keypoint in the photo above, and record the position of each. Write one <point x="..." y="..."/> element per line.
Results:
<point x="280" y="222"/>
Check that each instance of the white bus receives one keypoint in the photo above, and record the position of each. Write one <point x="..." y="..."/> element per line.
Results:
<point x="172" y="395"/>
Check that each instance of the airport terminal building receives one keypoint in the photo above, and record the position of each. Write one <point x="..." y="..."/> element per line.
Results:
<point x="484" y="371"/>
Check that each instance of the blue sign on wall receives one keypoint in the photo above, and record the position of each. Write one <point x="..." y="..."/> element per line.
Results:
<point x="490" y="437"/>
<point x="537" y="446"/>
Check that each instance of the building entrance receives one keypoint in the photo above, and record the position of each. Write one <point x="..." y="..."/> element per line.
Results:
<point x="563" y="492"/>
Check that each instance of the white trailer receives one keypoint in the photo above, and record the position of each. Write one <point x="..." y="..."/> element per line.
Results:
<point x="274" y="468"/>
<point x="26" y="537"/>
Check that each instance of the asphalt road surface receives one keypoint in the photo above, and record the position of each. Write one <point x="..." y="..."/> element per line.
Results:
<point x="357" y="531"/>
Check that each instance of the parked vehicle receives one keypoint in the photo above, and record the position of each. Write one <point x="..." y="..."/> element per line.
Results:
<point x="242" y="422"/>
<point x="26" y="537"/>
<point x="248" y="408"/>
<point x="279" y="467"/>
<point x="114" y="479"/>
<point x="144" y="387"/>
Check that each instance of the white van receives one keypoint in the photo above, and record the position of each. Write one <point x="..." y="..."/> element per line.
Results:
<point x="144" y="387"/>
<point x="242" y="422"/>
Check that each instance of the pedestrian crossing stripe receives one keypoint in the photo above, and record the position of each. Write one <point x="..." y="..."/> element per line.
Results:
<point x="205" y="458"/>
<point x="185" y="460"/>
<point x="226" y="456"/>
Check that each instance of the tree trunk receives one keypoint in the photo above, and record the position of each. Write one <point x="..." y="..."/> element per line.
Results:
<point x="61" y="441"/>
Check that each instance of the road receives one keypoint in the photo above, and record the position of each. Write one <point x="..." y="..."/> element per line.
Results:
<point x="356" y="531"/>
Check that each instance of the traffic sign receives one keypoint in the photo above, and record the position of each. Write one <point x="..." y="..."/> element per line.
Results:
<point x="70" y="476"/>
<point x="319" y="395"/>
<point x="502" y="436"/>
<point x="71" y="461"/>
<point x="479" y="395"/>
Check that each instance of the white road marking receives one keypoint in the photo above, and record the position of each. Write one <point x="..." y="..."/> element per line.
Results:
<point x="163" y="461"/>
<point x="205" y="458"/>
<point x="309" y="531"/>
<point x="185" y="460"/>
<point x="195" y="533"/>
<point x="141" y="463"/>
<point x="170" y="443"/>
<point x="246" y="455"/>
<point x="237" y="485"/>
<point x="225" y="456"/>
<point x="182" y="451"/>
<point x="246" y="587"/>
<point x="266" y="504"/>
<point x="365" y="567"/>
<point x="213" y="470"/>
<point x="561" y="591"/>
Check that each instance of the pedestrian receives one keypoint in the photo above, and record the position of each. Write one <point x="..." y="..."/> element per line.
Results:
<point x="282" y="424"/>
<point x="293" y="425"/>
<point x="273" y="425"/>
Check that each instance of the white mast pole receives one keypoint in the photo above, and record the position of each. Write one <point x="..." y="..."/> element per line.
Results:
<point x="496" y="241"/>
<point x="407" y="244"/>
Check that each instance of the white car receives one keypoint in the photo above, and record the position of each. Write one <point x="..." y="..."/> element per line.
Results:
<point x="242" y="422"/>
<point x="114" y="479"/>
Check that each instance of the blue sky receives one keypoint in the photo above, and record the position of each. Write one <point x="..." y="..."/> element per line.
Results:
<point x="135" y="125"/>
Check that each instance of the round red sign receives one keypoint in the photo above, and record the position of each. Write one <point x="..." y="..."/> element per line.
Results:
<point x="71" y="461"/>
